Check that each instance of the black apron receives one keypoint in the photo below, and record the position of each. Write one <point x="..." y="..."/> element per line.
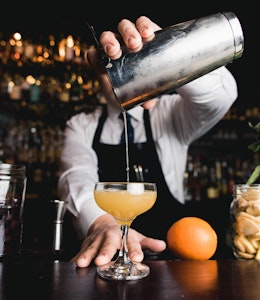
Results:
<point x="112" y="167"/>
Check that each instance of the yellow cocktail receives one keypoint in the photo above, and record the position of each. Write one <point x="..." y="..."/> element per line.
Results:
<point x="125" y="205"/>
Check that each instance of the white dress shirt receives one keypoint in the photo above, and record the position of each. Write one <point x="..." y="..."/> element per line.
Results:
<point x="176" y="121"/>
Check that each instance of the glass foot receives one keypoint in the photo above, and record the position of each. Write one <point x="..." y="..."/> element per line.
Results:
<point x="130" y="271"/>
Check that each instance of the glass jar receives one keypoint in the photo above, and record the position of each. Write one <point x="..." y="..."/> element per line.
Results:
<point x="12" y="196"/>
<point x="245" y="221"/>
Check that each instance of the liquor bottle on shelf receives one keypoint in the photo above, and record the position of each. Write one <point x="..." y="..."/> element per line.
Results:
<point x="212" y="188"/>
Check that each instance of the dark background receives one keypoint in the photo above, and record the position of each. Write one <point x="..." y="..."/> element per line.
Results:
<point x="39" y="19"/>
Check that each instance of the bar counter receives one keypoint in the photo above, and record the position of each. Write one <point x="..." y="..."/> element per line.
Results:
<point x="168" y="279"/>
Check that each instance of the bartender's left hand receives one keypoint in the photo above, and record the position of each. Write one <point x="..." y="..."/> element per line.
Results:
<point x="132" y="35"/>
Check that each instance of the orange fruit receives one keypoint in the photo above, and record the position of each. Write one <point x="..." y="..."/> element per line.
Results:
<point x="192" y="238"/>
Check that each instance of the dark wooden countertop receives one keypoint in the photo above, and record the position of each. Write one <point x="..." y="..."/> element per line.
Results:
<point x="168" y="279"/>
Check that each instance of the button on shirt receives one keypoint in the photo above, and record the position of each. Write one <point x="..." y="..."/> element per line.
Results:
<point x="175" y="124"/>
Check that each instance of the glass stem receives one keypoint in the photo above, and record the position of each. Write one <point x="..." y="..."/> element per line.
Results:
<point x="123" y="257"/>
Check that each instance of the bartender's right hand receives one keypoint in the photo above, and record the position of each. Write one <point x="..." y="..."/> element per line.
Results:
<point x="104" y="240"/>
<point x="132" y="35"/>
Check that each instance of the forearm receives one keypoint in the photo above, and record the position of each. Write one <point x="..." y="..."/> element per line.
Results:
<point x="218" y="86"/>
<point x="79" y="172"/>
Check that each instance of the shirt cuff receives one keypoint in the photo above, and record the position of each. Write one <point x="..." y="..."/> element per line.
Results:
<point x="89" y="212"/>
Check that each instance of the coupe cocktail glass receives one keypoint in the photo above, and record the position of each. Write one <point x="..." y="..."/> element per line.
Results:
<point x="124" y="201"/>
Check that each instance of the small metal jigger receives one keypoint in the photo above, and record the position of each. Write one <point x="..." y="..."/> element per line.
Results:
<point x="59" y="209"/>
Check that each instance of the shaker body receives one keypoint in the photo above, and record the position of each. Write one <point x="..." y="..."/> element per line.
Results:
<point x="175" y="56"/>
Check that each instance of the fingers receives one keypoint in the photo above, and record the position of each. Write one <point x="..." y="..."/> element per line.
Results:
<point x="88" y="252"/>
<point x="84" y="258"/>
<point x="110" y="44"/>
<point x="146" y="27"/>
<point x="149" y="104"/>
<point x="131" y="34"/>
<point x="100" y="246"/>
<point x="137" y="242"/>
<point x="153" y="245"/>
<point x="109" y="248"/>
<point x="100" y="256"/>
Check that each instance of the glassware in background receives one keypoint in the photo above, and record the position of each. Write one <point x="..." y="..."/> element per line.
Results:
<point x="245" y="221"/>
<point x="124" y="201"/>
<point x="12" y="196"/>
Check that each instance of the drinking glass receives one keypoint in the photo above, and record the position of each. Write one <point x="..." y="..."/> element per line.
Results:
<point x="124" y="201"/>
<point x="12" y="196"/>
<point x="245" y="221"/>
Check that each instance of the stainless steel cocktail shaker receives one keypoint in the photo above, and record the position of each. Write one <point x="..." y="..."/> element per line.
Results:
<point x="175" y="56"/>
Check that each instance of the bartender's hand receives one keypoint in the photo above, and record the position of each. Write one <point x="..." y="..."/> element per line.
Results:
<point x="132" y="35"/>
<point x="104" y="239"/>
